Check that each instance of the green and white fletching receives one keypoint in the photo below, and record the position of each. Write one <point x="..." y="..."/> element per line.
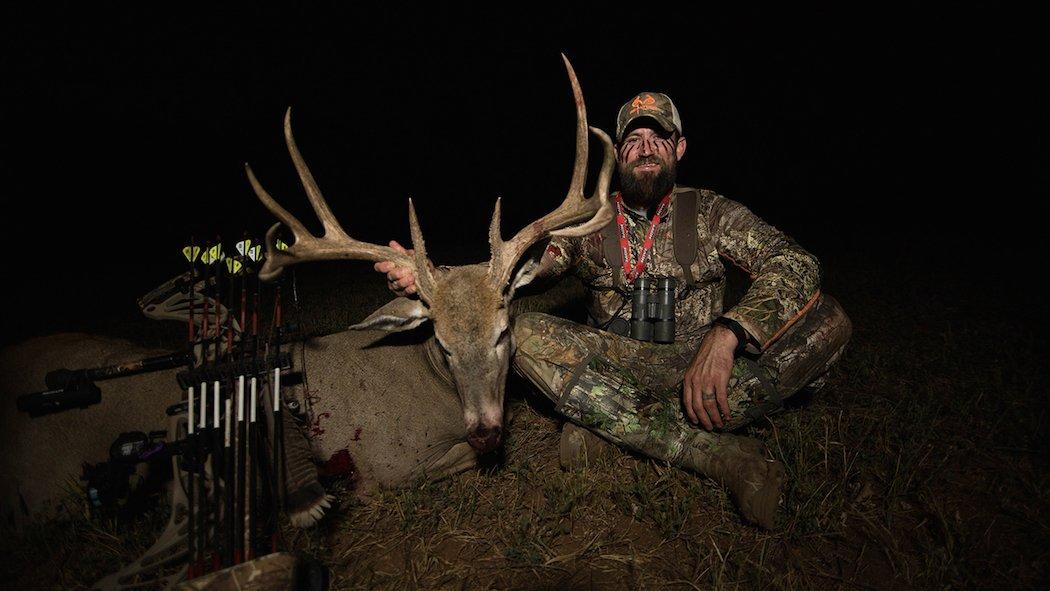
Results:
<point x="244" y="247"/>
<point x="215" y="255"/>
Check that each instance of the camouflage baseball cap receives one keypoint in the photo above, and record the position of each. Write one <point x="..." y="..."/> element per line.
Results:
<point x="655" y="105"/>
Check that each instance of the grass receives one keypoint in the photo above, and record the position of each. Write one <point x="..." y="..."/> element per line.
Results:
<point x="922" y="464"/>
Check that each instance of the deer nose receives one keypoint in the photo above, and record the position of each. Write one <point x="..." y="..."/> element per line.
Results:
<point x="485" y="439"/>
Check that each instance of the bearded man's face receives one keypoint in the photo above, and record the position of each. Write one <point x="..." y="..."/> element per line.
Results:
<point x="647" y="163"/>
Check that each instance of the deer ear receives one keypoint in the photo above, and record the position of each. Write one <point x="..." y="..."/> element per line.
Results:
<point x="397" y="315"/>
<point x="530" y="268"/>
<point x="523" y="276"/>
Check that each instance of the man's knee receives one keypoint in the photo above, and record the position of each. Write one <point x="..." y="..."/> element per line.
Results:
<point x="840" y="327"/>
<point x="539" y="324"/>
<point x="545" y="337"/>
<point x="541" y="351"/>
<point x="825" y="327"/>
<point x="525" y="325"/>
<point x="809" y="349"/>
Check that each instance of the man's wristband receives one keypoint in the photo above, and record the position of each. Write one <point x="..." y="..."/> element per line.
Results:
<point x="742" y="337"/>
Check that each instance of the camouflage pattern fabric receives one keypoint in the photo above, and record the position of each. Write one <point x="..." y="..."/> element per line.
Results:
<point x="629" y="391"/>
<point x="784" y="277"/>
<point x="656" y="105"/>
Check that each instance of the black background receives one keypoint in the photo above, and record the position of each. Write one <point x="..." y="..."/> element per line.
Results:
<point x="897" y="140"/>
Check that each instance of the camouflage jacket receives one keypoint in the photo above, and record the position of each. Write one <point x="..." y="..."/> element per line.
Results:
<point x="784" y="277"/>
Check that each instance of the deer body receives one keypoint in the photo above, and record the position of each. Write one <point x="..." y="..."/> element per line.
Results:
<point x="403" y="408"/>
<point x="386" y="400"/>
<point x="374" y="397"/>
<point x="380" y="400"/>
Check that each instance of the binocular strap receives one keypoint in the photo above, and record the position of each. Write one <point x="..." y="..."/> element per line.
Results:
<point x="684" y="238"/>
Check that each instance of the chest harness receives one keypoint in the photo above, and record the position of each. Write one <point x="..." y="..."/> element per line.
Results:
<point x="617" y="247"/>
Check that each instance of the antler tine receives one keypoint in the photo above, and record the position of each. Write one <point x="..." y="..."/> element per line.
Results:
<point x="579" y="169"/>
<point x="424" y="278"/>
<point x="604" y="215"/>
<point x="574" y="208"/>
<point x="495" y="235"/>
<point x="334" y="244"/>
<point x="324" y="213"/>
<point x="275" y="208"/>
<point x="276" y="259"/>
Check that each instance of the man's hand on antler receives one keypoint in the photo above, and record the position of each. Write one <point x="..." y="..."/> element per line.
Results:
<point x="706" y="383"/>
<point x="400" y="280"/>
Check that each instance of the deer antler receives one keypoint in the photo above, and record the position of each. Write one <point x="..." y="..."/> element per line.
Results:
<point x="334" y="243"/>
<point x="594" y="213"/>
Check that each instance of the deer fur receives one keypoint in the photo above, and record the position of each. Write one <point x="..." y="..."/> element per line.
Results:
<point x="383" y="398"/>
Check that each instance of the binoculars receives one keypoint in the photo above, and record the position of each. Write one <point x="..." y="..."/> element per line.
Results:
<point x="652" y="309"/>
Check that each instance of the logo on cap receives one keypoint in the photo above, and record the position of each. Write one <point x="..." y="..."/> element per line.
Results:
<point x="638" y="104"/>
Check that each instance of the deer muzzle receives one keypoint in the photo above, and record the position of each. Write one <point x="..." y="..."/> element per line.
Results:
<point x="485" y="439"/>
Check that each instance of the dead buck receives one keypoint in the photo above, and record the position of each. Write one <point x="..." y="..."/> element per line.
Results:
<point x="397" y="409"/>
<point x="467" y="305"/>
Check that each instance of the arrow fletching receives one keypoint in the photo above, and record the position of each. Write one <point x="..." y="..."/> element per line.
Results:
<point x="214" y="255"/>
<point x="191" y="252"/>
<point x="280" y="244"/>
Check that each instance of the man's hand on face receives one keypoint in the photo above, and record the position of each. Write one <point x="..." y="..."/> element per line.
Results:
<point x="704" y="391"/>
<point x="400" y="280"/>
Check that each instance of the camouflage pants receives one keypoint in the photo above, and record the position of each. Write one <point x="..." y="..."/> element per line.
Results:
<point x="629" y="391"/>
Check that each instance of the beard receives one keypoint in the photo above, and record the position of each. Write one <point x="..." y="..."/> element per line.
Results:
<point x="644" y="190"/>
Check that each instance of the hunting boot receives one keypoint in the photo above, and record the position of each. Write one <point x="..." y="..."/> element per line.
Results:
<point x="740" y="464"/>
<point x="579" y="447"/>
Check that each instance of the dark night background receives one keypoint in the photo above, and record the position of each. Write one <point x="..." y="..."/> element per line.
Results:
<point x="906" y="147"/>
<point x="911" y="144"/>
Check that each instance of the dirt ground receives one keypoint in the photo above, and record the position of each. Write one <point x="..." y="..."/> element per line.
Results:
<point x="921" y="464"/>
